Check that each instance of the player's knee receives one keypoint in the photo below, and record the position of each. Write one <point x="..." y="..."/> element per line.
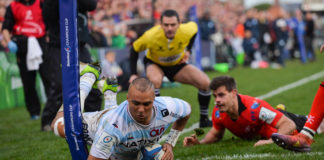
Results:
<point x="58" y="127"/>
<point x="204" y="84"/>
<point x="157" y="82"/>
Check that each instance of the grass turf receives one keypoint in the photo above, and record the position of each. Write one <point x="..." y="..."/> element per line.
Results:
<point x="21" y="138"/>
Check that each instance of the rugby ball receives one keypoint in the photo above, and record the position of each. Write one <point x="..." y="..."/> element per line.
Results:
<point x="153" y="152"/>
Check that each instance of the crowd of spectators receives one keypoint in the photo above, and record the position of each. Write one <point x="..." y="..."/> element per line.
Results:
<point x="272" y="36"/>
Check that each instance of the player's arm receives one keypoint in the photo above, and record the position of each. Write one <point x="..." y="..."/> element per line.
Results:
<point x="192" y="41"/>
<point x="103" y="143"/>
<point x="139" y="45"/>
<point x="173" y="137"/>
<point x="285" y="125"/>
<point x="212" y="136"/>
<point x="275" y="119"/>
<point x="184" y="110"/>
<point x="188" y="50"/>
<point x="133" y="64"/>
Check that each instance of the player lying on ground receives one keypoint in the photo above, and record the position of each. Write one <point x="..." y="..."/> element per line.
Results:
<point x="302" y="141"/>
<point x="119" y="132"/>
<point x="246" y="117"/>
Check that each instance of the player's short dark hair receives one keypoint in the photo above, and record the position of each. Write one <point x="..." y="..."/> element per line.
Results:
<point x="226" y="81"/>
<point x="142" y="84"/>
<point x="169" y="13"/>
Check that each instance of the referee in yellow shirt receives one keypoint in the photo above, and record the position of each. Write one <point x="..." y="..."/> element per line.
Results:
<point x="168" y="47"/>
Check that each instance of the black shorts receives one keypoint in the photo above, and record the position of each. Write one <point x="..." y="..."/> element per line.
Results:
<point x="169" y="71"/>
<point x="299" y="120"/>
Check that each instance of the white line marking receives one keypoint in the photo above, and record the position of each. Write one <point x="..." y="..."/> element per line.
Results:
<point x="263" y="156"/>
<point x="292" y="85"/>
<point x="267" y="95"/>
<point x="192" y="127"/>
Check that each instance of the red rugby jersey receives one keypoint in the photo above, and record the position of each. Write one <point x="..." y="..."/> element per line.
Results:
<point x="256" y="118"/>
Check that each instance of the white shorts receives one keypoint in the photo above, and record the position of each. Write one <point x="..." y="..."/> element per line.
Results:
<point x="90" y="121"/>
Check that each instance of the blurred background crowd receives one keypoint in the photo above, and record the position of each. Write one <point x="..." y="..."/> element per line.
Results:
<point x="269" y="33"/>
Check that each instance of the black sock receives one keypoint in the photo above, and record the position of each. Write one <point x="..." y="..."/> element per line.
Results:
<point x="203" y="99"/>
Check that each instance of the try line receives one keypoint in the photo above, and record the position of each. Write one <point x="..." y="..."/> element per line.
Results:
<point x="262" y="156"/>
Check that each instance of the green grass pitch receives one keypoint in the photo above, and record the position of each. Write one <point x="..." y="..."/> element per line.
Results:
<point x="21" y="138"/>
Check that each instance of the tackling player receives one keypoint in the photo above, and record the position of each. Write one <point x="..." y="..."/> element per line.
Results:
<point x="168" y="49"/>
<point x="246" y="117"/>
<point x="120" y="132"/>
<point x="302" y="141"/>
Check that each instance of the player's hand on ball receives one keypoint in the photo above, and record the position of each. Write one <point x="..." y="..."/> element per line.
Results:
<point x="189" y="141"/>
<point x="263" y="142"/>
<point x="168" y="152"/>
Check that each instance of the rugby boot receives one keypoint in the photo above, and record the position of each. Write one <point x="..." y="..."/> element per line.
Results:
<point x="110" y="84"/>
<point x="89" y="77"/>
<point x="297" y="143"/>
<point x="205" y="122"/>
<point x="109" y="89"/>
<point x="281" y="107"/>
<point x="94" y="69"/>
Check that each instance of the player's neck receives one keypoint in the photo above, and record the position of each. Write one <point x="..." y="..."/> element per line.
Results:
<point x="233" y="112"/>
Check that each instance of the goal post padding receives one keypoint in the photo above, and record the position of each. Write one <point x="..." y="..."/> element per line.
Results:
<point x="70" y="79"/>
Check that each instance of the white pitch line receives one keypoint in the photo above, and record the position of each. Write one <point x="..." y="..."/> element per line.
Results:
<point x="192" y="127"/>
<point x="267" y="95"/>
<point x="263" y="155"/>
<point x="292" y="85"/>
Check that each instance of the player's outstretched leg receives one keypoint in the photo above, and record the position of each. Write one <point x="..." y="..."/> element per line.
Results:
<point x="298" y="143"/>
<point x="88" y="78"/>
<point x="302" y="141"/>
<point x="109" y="89"/>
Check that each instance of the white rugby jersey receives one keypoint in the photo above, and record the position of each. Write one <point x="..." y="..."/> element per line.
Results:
<point x="119" y="136"/>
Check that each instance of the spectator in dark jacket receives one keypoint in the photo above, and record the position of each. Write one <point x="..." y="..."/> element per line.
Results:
<point x="206" y="26"/>
<point x="281" y="31"/>
<point x="309" y="36"/>
<point x="250" y="45"/>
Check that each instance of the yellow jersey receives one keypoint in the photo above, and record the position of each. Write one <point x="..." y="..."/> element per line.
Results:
<point x="163" y="51"/>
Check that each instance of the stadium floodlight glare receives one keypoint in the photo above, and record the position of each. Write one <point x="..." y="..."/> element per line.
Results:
<point x="70" y="79"/>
